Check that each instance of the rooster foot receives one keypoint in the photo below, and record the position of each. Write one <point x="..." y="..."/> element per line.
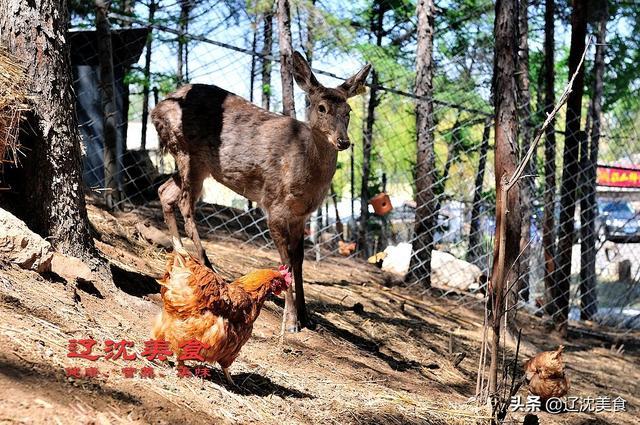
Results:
<point x="227" y="375"/>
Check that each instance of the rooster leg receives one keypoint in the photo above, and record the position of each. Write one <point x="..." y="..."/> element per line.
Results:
<point x="227" y="375"/>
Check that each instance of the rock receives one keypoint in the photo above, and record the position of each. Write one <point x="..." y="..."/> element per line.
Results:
<point x="446" y="270"/>
<point x="450" y="271"/>
<point x="397" y="258"/>
<point x="28" y="250"/>
<point x="70" y="268"/>
<point x="21" y="246"/>
<point x="153" y="235"/>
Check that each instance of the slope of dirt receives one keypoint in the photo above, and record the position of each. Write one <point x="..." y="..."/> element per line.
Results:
<point x="377" y="355"/>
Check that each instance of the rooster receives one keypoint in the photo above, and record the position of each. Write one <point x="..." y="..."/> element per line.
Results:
<point x="545" y="374"/>
<point x="200" y="305"/>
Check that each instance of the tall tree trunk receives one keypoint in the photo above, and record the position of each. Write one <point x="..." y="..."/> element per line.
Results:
<point x="308" y="49"/>
<point x="508" y="225"/>
<point x="286" y="58"/>
<point x="109" y="109"/>
<point x="51" y="194"/>
<point x="588" y="204"/>
<point x="147" y="77"/>
<point x="126" y="9"/>
<point x="267" y="47"/>
<point x="474" y="253"/>
<point x="367" y="136"/>
<point x="452" y="153"/>
<point x="548" y="223"/>
<point x="183" y="25"/>
<point x="571" y="168"/>
<point x="527" y="186"/>
<point x="254" y="47"/>
<point x="420" y="266"/>
<point x="252" y="75"/>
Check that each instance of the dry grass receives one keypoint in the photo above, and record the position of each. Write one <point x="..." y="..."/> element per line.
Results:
<point x="385" y="362"/>
<point x="12" y="105"/>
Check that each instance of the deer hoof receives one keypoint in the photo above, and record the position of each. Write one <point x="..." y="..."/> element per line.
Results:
<point x="292" y="326"/>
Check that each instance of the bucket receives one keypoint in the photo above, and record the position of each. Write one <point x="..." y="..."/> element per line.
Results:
<point x="381" y="204"/>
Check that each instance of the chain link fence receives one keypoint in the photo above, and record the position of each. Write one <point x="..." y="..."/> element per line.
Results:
<point x="160" y="44"/>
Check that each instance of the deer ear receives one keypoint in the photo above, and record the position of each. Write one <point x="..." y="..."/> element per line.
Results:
<point x="303" y="75"/>
<point x="355" y="85"/>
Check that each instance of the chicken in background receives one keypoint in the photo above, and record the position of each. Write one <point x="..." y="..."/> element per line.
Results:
<point x="545" y="374"/>
<point x="346" y="248"/>
<point x="199" y="305"/>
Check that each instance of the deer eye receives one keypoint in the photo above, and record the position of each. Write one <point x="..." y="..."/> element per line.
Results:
<point x="322" y="109"/>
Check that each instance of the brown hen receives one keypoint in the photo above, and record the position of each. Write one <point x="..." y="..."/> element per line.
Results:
<point x="200" y="305"/>
<point x="545" y="374"/>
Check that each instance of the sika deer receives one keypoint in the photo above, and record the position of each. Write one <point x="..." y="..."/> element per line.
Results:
<point x="282" y="164"/>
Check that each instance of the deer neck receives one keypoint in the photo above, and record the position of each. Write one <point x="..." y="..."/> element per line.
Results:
<point x="323" y="149"/>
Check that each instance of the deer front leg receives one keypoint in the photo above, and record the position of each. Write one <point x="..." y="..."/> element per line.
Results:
<point x="296" y="255"/>
<point x="169" y="194"/>
<point x="281" y="235"/>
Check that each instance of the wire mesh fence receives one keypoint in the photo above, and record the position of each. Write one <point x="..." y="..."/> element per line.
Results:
<point x="159" y="45"/>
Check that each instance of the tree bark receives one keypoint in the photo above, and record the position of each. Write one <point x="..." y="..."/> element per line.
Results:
<point x="420" y="266"/>
<point x="474" y="253"/>
<point x="109" y="110"/>
<point x="254" y="64"/>
<point x="367" y="146"/>
<point x="286" y="58"/>
<point x="308" y="50"/>
<point x="147" y="77"/>
<point x="376" y="30"/>
<point x="571" y="168"/>
<point x="182" y="74"/>
<point x="548" y="223"/>
<point x="527" y="186"/>
<point x="588" y="203"/>
<point x="267" y="47"/>
<point x="50" y="192"/>
<point x="508" y="216"/>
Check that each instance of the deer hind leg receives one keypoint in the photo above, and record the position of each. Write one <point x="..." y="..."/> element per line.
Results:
<point x="288" y="237"/>
<point x="192" y="180"/>
<point x="170" y="193"/>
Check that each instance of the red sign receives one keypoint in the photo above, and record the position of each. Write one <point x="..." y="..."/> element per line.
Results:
<point x="618" y="176"/>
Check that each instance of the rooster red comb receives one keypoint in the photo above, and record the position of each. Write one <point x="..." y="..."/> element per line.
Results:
<point x="286" y="274"/>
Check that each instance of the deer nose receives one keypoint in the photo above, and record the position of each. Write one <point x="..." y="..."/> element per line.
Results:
<point x="343" y="144"/>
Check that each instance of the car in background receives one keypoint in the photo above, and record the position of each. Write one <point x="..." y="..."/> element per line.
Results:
<point x="618" y="222"/>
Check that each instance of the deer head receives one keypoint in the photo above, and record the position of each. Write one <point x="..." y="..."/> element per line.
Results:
<point x="329" y="110"/>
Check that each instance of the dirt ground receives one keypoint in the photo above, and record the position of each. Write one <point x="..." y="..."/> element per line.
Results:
<point x="377" y="355"/>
